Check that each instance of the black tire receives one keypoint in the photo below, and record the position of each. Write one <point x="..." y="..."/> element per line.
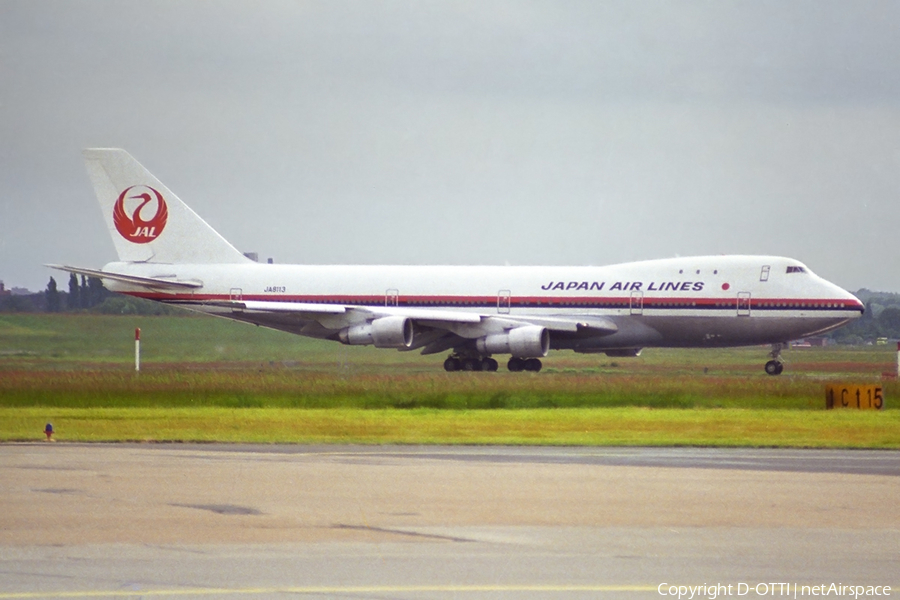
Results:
<point x="489" y="364"/>
<point x="774" y="367"/>
<point x="533" y="364"/>
<point x="451" y="364"/>
<point x="471" y="364"/>
<point x="515" y="364"/>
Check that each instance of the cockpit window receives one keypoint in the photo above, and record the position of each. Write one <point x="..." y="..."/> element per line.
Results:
<point x="796" y="269"/>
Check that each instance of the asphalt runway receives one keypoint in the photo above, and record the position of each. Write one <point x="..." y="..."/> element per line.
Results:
<point x="228" y="521"/>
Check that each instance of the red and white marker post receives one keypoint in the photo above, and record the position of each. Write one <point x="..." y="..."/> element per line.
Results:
<point x="137" y="349"/>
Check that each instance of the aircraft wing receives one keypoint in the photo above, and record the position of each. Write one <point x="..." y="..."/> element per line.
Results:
<point x="280" y="307"/>
<point x="353" y="312"/>
<point x="440" y="330"/>
<point x="446" y="318"/>
<point x="590" y="325"/>
<point x="429" y="317"/>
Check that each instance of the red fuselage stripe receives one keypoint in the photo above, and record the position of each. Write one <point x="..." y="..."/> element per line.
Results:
<point x="531" y="301"/>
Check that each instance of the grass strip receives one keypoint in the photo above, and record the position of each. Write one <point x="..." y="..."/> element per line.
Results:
<point x="278" y="388"/>
<point x="624" y="426"/>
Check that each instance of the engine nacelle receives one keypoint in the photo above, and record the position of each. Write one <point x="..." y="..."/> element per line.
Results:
<point x="530" y="341"/>
<point x="386" y="332"/>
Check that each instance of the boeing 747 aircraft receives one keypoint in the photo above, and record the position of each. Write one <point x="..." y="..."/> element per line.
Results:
<point x="169" y="254"/>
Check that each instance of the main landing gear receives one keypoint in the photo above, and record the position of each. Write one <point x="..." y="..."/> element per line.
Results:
<point x="457" y="362"/>
<point x="776" y="365"/>
<point x="516" y="364"/>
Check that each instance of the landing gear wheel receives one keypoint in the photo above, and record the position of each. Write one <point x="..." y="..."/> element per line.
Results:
<point x="489" y="364"/>
<point x="533" y="364"/>
<point x="774" y="367"/>
<point x="471" y="364"/>
<point x="452" y="364"/>
<point x="515" y="364"/>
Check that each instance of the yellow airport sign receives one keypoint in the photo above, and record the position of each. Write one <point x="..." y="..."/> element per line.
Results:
<point x="849" y="395"/>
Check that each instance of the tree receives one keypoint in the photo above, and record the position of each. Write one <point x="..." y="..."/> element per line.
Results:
<point x="96" y="292"/>
<point x="889" y="319"/>
<point x="52" y="296"/>
<point x="84" y="296"/>
<point x="74" y="292"/>
<point x="12" y="303"/>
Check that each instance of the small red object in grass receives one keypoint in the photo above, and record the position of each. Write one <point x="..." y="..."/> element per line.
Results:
<point x="48" y="430"/>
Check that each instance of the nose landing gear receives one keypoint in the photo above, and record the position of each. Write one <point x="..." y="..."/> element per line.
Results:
<point x="776" y="365"/>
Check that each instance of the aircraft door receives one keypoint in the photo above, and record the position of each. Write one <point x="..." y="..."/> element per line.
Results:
<point x="503" y="302"/>
<point x="743" y="304"/>
<point x="637" y="303"/>
<point x="236" y="295"/>
<point x="392" y="297"/>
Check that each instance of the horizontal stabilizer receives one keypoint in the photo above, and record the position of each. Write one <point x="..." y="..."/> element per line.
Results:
<point x="150" y="282"/>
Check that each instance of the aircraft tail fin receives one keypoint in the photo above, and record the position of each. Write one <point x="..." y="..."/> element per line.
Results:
<point x="147" y="222"/>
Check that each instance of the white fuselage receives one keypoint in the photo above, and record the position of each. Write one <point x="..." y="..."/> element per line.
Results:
<point x="698" y="301"/>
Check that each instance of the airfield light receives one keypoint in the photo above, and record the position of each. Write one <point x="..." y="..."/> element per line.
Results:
<point x="137" y="349"/>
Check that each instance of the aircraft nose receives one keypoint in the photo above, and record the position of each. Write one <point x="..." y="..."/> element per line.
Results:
<point x="846" y="300"/>
<point x="854" y="303"/>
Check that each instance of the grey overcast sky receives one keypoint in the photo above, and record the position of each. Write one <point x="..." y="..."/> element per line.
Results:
<point x="444" y="132"/>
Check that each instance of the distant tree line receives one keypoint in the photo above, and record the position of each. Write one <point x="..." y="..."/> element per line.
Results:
<point x="85" y="294"/>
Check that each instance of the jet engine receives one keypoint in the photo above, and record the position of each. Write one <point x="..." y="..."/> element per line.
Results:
<point x="530" y="341"/>
<point x="386" y="332"/>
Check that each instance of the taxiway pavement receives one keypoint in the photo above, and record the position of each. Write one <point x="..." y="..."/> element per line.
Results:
<point x="236" y="521"/>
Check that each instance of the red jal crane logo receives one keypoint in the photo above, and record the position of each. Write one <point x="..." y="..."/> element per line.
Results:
<point x="135" y="228"/>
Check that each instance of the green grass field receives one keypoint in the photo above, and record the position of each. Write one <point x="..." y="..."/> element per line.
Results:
<point x="206" y="379"/>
